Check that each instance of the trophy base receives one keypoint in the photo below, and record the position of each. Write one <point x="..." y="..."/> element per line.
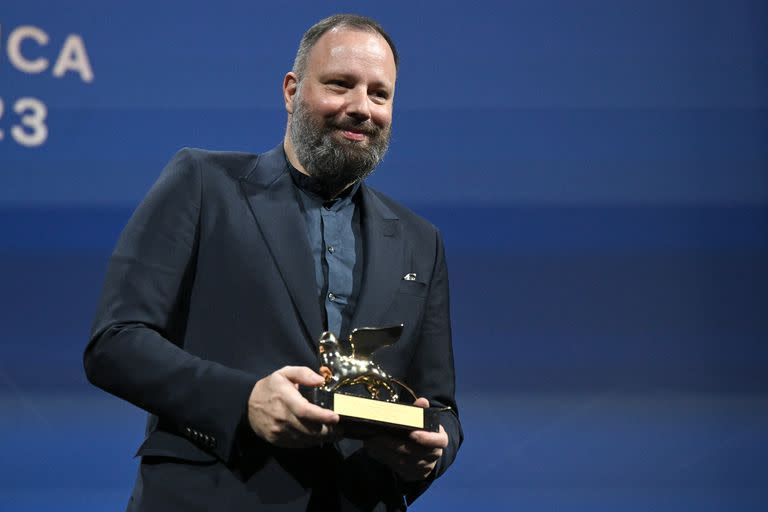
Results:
<point x="364" y="417"/>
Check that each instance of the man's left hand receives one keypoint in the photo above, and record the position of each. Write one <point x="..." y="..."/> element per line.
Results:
<point x="413" y="457"/>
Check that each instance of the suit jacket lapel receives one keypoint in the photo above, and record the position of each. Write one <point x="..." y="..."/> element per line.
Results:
<point x="272" y="198"/>
<point x="383" y="248"/>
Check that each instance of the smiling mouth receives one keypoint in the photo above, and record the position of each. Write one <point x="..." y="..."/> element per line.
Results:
<point x="353" y="135"/>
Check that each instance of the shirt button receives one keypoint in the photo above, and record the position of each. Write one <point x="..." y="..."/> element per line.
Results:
<point x="331" y="249"/>
<point x="331" y="297"/>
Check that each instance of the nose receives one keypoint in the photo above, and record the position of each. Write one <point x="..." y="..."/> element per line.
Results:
<point x="358" y="105"/>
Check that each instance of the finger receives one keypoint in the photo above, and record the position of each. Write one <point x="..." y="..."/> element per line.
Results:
<point x="301" y="408"/>
<point x="321" y="431"/>
<point x="430" y="439"/>
<point x="383" y="454"/>
<point x="298" y="434"/>
<point x="399" y="449"/>
<point x="307" y="427"/>
<point x="386" y="444"/>
<point x="301" y="375"/>
<point x="379" y="441"/>
<point x="432" y="455"/>
<point x="421" y="402"/>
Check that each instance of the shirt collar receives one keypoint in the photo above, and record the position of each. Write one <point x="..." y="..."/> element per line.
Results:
<point x="315" y="189"/>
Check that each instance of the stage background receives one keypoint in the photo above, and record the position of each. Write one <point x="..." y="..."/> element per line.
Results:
<point x="599" y="170"/>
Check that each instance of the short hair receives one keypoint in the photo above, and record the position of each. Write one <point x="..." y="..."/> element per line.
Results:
<point x="316" y="31"/>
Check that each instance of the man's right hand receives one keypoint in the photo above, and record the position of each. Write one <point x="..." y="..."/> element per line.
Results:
<point x="279" y="414"/>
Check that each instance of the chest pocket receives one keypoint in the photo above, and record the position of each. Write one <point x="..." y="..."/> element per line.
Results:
<point x="417" y="288"/>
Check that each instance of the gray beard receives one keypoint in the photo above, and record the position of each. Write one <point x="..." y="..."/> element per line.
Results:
<point x="333" y="163"/>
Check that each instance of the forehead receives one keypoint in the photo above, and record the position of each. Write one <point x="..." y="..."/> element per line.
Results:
<point x="342" y="47"/>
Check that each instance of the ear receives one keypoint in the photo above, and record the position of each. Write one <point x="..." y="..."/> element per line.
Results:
<point x="290" y="84"/>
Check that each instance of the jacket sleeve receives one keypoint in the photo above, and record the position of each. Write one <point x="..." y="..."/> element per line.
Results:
<point x="432" y="372"/>
<point x="136" y="348"/>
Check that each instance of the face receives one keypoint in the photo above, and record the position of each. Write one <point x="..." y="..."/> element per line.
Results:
<point x="340" y="111"/>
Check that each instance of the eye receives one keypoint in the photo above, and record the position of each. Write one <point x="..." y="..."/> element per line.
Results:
<point x="382" y="95"/>
<point x="339" y="84"/>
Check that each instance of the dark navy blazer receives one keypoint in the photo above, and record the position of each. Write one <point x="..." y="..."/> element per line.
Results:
<point x="210" y="288"/>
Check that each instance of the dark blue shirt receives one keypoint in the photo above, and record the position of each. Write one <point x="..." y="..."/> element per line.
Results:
<point x="333" y="231"/>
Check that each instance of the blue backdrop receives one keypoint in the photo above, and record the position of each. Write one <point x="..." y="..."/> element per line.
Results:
<point x="599" y="170"/>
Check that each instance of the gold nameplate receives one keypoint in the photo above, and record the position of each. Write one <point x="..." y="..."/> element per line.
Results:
<point x="376" y="410"/>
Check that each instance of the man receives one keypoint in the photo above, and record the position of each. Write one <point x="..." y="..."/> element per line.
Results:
<point x="230" y="269"/>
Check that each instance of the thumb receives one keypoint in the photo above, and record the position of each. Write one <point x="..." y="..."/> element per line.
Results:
<point x="421" y="402"/>
<point x="301" y="375"/>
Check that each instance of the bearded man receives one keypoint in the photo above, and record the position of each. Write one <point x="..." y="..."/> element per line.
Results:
<point x="230" y="269"/>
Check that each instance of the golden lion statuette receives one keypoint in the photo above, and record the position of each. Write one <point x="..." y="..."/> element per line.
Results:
<point x="349" y="371"/>
<point x="348" y="364"/>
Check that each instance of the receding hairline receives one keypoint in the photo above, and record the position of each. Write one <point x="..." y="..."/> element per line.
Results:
<point x="385" y="52"/>
<point x="337" y="22"/>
